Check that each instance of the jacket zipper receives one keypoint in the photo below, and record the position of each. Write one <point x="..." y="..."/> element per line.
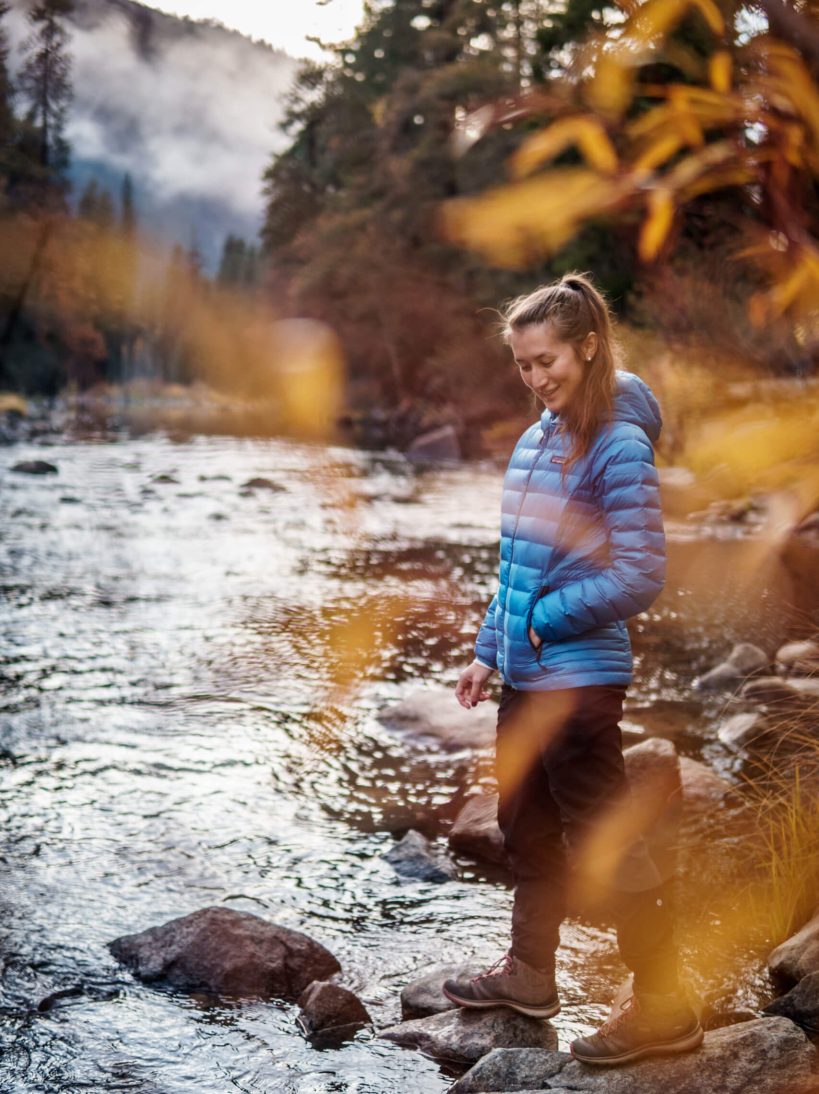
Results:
<point x="535" y="461"/>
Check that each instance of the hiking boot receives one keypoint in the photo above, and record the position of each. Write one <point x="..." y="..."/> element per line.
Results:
<point x="646" y="1025"/>
<point x="510" y="982"/>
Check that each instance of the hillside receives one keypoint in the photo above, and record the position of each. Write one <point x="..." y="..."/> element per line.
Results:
<point x="189" y="109"/>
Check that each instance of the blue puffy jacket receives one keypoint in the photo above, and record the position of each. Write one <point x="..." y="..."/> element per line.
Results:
<point x="577" y="558"/>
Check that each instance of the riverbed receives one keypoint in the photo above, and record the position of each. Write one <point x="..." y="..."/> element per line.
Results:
<point x="180" y="726"/>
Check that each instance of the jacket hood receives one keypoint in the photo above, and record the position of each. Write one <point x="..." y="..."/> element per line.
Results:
<point x="634" y="402"/>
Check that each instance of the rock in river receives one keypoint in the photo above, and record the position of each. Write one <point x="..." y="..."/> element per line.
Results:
<point x="34" y="467"/>
<point x="476" y="832"/>
<point x="435" y="713"/>
<point x="413" y="857"/>
<point x="797" y="956"/>
<point x="425" y="996"/>
<point x="463" y="1036"/>
<point x="763" y="1056"/>
<point x="228" y="952"/>
<point x="326" y="1007"/>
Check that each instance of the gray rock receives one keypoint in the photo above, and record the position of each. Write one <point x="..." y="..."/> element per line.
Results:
<point x="260" y="483"/>
<point x="799" y="658"/>
<point x="34" y="467"/>
<point x="653" y="772"/>
<point x="748" y="658"/>
<point x="227" y="952"/>
<point x="763" y="1056"/>
<point x="435" y="713"/>
<point x="800" y="1004"/>
<point x="773" y="690"/>
<point x="743" y="661"/>
<point x="424" y="996"/>
<point x="413" y="857"/>
<point x="702" y="788"/>
<point x="476" y="833"/>
<point x="741" y="730"/>
<point x="463" y="1036"/>
<point x="722" y="676"/>
<point x="797" y="956"/>
<point x="328" y="1007"/>
<point x="165" y="478"/>
<point x="436" y="444"/>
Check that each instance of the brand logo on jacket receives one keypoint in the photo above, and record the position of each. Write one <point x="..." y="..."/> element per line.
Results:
<point x="559" y="459"/>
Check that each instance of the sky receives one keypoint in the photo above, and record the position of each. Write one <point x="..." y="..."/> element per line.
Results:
<point x="283" y="23"/>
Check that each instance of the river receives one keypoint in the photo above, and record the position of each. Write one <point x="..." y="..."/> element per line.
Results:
<point x="177" y="732"/>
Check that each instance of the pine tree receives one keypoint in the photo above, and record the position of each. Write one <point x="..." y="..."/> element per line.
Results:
<point x="96" y="206"/>
<point x="7" y="122"/>
<point x="127" y="208"/>
<point x="45" y="83"/>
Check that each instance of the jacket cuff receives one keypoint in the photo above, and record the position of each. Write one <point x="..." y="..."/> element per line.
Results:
<point x="484" y="663"/>
<point x="540" y="619"/>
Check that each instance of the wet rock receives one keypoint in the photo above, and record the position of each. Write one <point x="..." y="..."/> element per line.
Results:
<point x="476" y="833"/>
<point x="766" y="1056"/>
<point x="797" y="956"/>
<point x="800" y="1004"/>
<point x="653" y="772"/>
<point x="435" y="713"/>
<point x="743" y="661"/>
<point x="702" y="788"/>
<point x="260" y="483"/>
<point x="773" y="690"/>
<point x="463" y="1036"/>
<point x="413" y="857"/>
<point x="165" y="479"/>
<point x="799" y="658"/>
<point x="34" y="467"/>
<point x="227" y="952"/>
<point x="425" y="996"/>
<point x="742" y="730"/>
<point x="326" y="1008"/>
<point x="436" y="444"/>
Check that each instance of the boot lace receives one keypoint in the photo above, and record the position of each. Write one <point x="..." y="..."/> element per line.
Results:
<point x="628" y="1011"/>
<point x="503" y="965"/>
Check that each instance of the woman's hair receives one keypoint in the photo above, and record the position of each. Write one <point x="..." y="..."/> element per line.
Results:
<point x="575" y="307"/>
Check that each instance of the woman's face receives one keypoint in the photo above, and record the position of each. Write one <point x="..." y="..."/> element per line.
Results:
<point x="551" y="368"/>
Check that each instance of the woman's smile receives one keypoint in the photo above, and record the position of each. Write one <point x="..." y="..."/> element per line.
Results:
<point x="550" y="367"/>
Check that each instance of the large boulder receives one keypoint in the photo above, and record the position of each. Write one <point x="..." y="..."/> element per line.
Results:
<point x="326" y="1008"/>
<point x="797" y="956"/>
<point x="226" y="952"/>
<point x="800" y="1004"/>
<point x="413" y="857"/>
<point x="463" y="1036"/>
<point x="763" y="1056"/>
<point x="476" y="833"/>
<point x="425" y="996"/>
<point x="434" y="713"/>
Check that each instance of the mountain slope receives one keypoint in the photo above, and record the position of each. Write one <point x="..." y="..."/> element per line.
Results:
<point x="189" y="109"/>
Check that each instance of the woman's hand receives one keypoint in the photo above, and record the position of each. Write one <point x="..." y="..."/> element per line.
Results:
<point x="535" y="638"/>
<point x="469" y="690"/>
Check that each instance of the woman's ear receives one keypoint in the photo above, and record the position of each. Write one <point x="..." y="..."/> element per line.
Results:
<point x="590" y="345"/>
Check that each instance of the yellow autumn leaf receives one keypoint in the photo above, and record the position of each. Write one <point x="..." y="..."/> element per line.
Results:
<point x="585" y="132"/>
<point x="658" y="152"/>
<point x="610" y="90"/>
<point x="657" y="224"/>
<point x="719" y="71"/>
<point x="711" y="14"/>
<point x="516" y="225"/>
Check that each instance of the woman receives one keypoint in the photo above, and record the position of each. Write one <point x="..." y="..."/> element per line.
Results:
<point x="582" y="549"/>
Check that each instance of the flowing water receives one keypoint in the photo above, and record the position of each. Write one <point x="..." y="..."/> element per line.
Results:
<point x="181" y="725"/>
